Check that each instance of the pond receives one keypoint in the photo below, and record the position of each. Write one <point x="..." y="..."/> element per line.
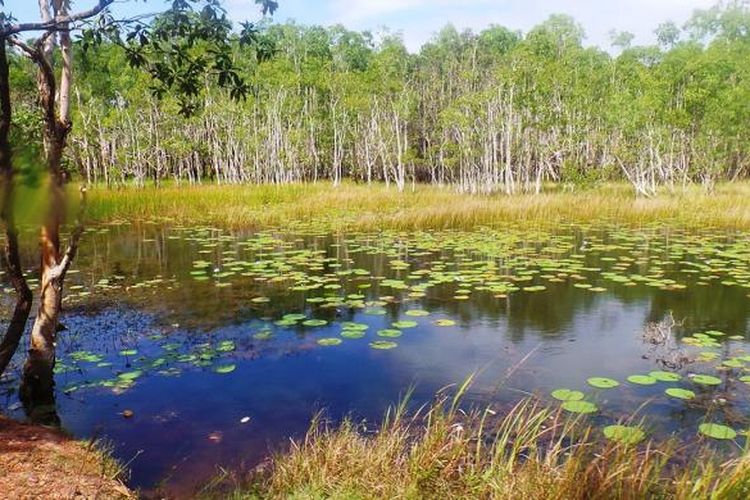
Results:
<point x="223" y="345"/>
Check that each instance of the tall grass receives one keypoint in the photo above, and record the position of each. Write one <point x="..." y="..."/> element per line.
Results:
<point x="352" y="206"/>
<point x="531" y="452"/>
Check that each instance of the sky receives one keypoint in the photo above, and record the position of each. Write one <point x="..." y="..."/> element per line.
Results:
<point x="418" y="20"/>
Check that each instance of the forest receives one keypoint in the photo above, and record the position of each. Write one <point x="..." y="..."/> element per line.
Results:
<point x="493" y="111"/>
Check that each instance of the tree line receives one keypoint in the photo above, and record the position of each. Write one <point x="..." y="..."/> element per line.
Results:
<point x="494" y="111"/>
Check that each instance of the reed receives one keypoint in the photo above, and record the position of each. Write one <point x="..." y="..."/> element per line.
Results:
<point x="361" y="207"/>
<point x="528" y="452"/>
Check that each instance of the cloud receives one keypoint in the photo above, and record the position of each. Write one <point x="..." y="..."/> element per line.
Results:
<point x="419" y="19"/>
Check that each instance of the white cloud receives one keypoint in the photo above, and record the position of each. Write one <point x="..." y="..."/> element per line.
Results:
<point x="419" y="19"/>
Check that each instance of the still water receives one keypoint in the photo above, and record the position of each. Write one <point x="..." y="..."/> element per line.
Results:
<point x="225" y="344"/>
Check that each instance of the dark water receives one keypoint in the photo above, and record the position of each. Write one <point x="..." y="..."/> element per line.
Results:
<point x="180" y="326"/>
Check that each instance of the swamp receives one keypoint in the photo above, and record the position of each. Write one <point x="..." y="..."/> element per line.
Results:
<point x="275" y="260"/>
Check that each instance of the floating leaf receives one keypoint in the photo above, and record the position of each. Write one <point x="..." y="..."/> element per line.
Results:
<point x="717" y="431"/>
<point x="444" y="322"/>
<point x="679" y="393"/>
<point x="662" y="376"/>
<point x="225" y="369"/>
<point x="404" y="324"/>
<point x="128" y="352"/>
<point x="641" y="380"/>
<point x="603" y="382"/>
<point x="352" y="334"/>
<point x="706" y="379"/>
<point x="416" y="313"/>
<point x="390" y="333"/>
<point x="567" y="395"/>
<point x="578" y="406"/>
<point x="624" y="434"/>
<point x="315" y="322"/>
<point x="383" y="344"/>
<point x="330" y="341"/>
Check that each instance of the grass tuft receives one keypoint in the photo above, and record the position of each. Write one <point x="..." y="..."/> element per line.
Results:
<point x="529" y="452"/>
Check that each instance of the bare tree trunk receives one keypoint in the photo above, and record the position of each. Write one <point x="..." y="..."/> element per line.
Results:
<point x="37" y="387"/>
<point x="10" y="257"/>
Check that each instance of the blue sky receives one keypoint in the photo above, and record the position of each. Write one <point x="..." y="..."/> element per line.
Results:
<point x="418" y="20"/>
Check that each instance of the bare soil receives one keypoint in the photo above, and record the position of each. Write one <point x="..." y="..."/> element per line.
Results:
<point x="41" y="463"/>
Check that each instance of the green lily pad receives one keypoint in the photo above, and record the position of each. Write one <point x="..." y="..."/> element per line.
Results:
<point x="330" y="341"/>
<point x="315" y="322"/>
<point x="580" y="407"/>
<point x="390" y="333"/>
<point x="662" y="376"/>
<point x="444" y="322"/>
<point x="567" y="395"/>
<point x="706" y="379"/>
<point x="602" y="382"/>
<point x="130" y="375"/>
<point x="383" y="344"/>
<point x="223" y="369"/>
<point x="679" y="393"/>
<point x="404" y="324"/>
<point x="226" y="346"/>
<point x="352" y="334"/>
<point x="624" y="434"/>
<point x="128" y="352"/>
<point x="416" y="313"/>
<point x="641" y="380"/>
<point x="717" y="431"/>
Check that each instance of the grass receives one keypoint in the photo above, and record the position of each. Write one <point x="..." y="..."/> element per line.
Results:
<point x="529" y="452"/>
<point x="353" y="206"/>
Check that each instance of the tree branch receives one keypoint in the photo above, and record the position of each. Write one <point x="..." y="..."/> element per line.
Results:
<point x="57" y="23"/>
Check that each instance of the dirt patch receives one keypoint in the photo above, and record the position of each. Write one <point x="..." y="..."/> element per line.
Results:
<point x="37" y="462"/>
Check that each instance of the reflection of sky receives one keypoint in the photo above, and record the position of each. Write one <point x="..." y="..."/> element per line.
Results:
<point x="529" y="343"/>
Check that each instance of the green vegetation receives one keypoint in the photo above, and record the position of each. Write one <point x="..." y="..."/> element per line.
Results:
<point x="497" y="110"/>
<point x="530" y="452"/>
<point x="376" y="207"/>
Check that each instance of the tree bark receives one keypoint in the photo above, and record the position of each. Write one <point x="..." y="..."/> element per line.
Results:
<point x="10" y="258"/>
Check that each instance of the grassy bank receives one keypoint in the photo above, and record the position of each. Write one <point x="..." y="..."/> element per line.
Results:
<point x="368" y="207"/>
<point x="39" y="462"/>
<point x="530" y="452"/>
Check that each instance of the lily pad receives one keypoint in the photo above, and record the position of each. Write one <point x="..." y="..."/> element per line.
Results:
<point x="624" y="434"/>
<point x="444" y="322"/>
<point x="390" y="333"/>
<point x="662" y="376"/>
<point x="679" y="393"/>
<point x="602" y="382"/>
<point x="383" y="344"/>
<point x="352" y="334"/>
<point x="315" y="322"/>
<point x="404" y="324"/>
<point x="223" y="369"/>
<point x="717" y="431"/>
<point x="580" y="407"/>
<point x="641" y="380"/>
<point x="706" y="379"/>
<point x="567" y="395"/>
<point x="330" y="341"/>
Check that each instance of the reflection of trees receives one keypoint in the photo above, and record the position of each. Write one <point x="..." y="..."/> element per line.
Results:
<point x="145" y="251"/>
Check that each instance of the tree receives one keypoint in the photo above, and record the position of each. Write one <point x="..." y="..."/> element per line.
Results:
<point x="178" y="49"/>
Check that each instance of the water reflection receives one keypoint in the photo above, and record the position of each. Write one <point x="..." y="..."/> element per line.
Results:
<point x="155" y="311"/>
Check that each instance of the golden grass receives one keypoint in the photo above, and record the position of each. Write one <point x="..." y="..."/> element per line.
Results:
<point x="530" y="452"/>
<point x="352" y="206"/>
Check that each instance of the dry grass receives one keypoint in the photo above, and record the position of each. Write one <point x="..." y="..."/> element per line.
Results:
<point x="372" y="207"/>
<point x="530" y="452"/>
<point x="37" y="462"/>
